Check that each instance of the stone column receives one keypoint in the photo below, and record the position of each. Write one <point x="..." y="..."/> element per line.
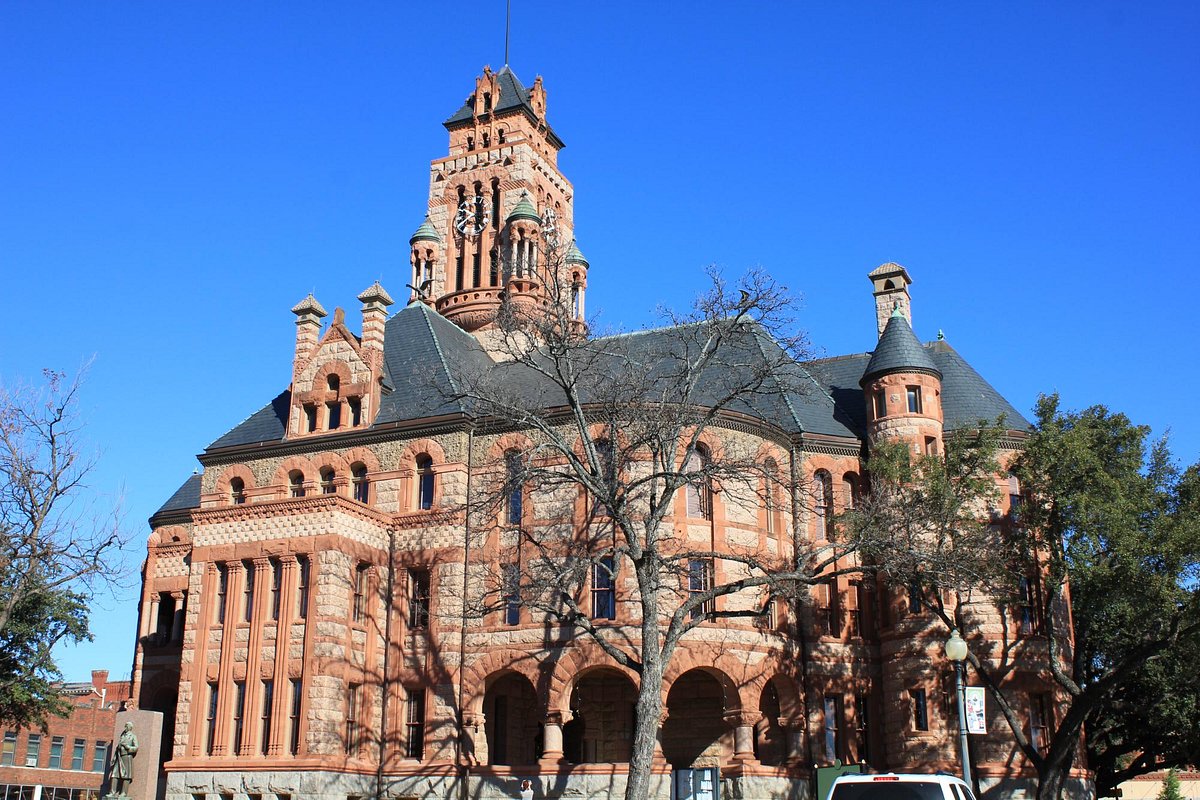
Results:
<point x="283" y="637"/>
<point x="177" y="620"/>
<point x="552" y="739"/>
<point x="743" y="734"/>
<point x="151" y="625"/>
<point x="793" y="728"/>
<point x="227" y="693"/>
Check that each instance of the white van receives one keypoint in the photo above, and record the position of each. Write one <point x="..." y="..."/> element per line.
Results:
<point x="895" y="786"/>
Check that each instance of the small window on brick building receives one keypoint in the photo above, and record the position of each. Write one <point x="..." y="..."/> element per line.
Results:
<point x="361" y="483"/>
<point x="1039" y="722"/>
<point x="604" y="598"/>
<point x="99" y="755"/>
<point x="920" y="710"/>
<point x="328" y="481"/>
<point x="513" y="488"/>
<point x="914" y="399"/>
<point x="237" y="491"/>
<point x="355" y="405"/>
<point x="510" y="579"/>
<point x="353" y="731"/>
<point x="833" y="726"/>
<point x="700" y="580"/>
<point x="294" y="716"/>
<point x="33" y="750"/>
<point x="276" y="586"/>
<point x="296" y="483"/>
<point x="414" y="723"/>
<point x="211" y="718"/>
<point x="248" y="591"/>
<point x="425" y="483"/>
<point x="880" y="404"/>
<point x="222" y="591"/>
<point x="822" y="488"/>
<point x="361" y="574"/>
<point x="862" y="727"/>
<point x="78" y="753"/>
<point x="8" y="752"/>
<point x="418" y="599"/>
<point x="304" y="570"/>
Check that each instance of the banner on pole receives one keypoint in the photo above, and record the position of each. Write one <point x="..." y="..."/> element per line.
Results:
<point x="976" y="710"/>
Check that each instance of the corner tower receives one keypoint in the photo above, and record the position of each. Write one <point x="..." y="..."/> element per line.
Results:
<point x="500" y="218"/>
<point x="903" y="388"/>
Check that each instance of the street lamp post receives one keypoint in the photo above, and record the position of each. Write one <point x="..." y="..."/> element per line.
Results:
<point x="956" y="651"/>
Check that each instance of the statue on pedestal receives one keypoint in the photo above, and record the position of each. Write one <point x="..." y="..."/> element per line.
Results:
<point x="121" y="767"/>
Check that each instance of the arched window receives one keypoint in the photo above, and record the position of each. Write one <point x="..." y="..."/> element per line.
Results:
<point x="328" y="476"/>
<point x="823" y="503"/>
<point x="850" y="489"/>
<point x="500" y="135"/>
<point x="513" y="488"/>
<point x="334" y="383"/>
<point x="1014" y="494"/>
<point x="424" y="482"/>
<point x="362" y="486"/>
<point x="699" y="488"/>
<point x="296" y="483"/>
<point x="608" y="471"/>
<point x="237" y="491"/>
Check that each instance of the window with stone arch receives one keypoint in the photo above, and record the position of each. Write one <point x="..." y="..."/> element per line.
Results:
<point x="360" y="482"/>
<point x="237" y="491"/>
<point x="850" y="490"/>
<point x="425" y="482"/>
<point x="822" y="488"/>
<point x="296" y="483"/>
<point x="328" y="481"/>
<point x="699" y="489"/>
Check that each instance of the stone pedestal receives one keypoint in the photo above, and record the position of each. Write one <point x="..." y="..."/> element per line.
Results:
<point x="147" y="726"/>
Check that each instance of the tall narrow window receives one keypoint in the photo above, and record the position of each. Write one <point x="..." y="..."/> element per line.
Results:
<point x="425" y="483"/>
<point x="827" y="597"/>
<point x="920" y="710"/>
<point x="1028" y="613"/>
<point x="33" y="751"/>
<point x="78" y="751"/>
<point x="880" y="404"/>
<point x="414" y="723"/>
<point x="56" y="752"/>
<point x="915" y="599"/>
<point x="699" y="489"/>
<point x="355" y="405"/>
<point x="1039" y="722"/>
<point x="222" y="591"/>
<point x="418" y="599"/>
<point x="854" y="609"/>
<point x="1014" y="497"/>
<point x="333" y="413"/>
<point x="832" y="709"/>
<point x="237" y="491"/>
<point x="353" y="734"/>
<point x="862" y="727"/>
<point x="294" y="716"/>
<point x="268" y="708"/>
<point x="913" y="394"/>
<point x="770" y="504"/>
<point x="510" y="577"/>
<point x="296" y="483"/>
<point x="604" y="597"/>
<point x="211" y="718"/>
<point x="303" y="569"/>
<point x="8" y="751"/>
<point x="248" y="591"/>
<point x="476" y="268"/>
<point x="276" y="586"/>
<point x="850" y="490"/>
<point x="362" y="485"/>
<point x="608" y="472"/>
<point x="310" y="418"/>
<point x="822" y="488"/>
<point x="513" y="487"/>
<point x="700" y="580"/>
<point x="328" y="481"/>
<point x="239" y="714"/>
<point x="361" y="572"/>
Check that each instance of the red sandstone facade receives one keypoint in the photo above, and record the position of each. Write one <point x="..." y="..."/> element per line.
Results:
<point x="68" y="758"/>
<point x="303" y="625"/>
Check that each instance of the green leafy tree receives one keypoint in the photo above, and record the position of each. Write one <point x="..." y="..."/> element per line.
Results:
<point x="1170" y="790"/>
<point x="55" y="551"/>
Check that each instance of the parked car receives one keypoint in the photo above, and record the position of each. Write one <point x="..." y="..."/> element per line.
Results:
<point x="896" y="786"/>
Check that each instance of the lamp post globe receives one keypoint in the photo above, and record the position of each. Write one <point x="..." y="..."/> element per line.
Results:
<point x="955" y="649"/>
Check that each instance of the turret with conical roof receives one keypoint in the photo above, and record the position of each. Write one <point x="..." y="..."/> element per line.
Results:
<point x="902" y="387"/>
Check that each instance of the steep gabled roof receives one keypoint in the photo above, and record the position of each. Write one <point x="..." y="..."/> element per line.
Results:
<point x="267" y="424"/>
<point x="513" y="97"/>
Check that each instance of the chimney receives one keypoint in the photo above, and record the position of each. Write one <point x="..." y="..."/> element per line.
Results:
<point x="891" y="284"/>
<point x="375" y="300"/>
<point x="99" y="679"/>
<point x="308" y="329"/>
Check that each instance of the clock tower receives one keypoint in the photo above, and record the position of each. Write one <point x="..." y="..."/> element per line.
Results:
<point x="500" y="223"/>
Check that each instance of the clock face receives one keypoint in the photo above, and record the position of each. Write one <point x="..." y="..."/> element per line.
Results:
<point x="472" y="216"/>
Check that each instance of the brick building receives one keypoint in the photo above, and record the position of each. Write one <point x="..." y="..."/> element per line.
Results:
<point x="303" y="623"/>
<point x="68" y="758"/>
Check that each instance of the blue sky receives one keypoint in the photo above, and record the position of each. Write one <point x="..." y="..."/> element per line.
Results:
<point x="174" y="177"/>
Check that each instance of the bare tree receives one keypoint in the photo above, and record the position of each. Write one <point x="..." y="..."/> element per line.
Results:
<point x="56" y="551"/>
<point x="617" y="427"/>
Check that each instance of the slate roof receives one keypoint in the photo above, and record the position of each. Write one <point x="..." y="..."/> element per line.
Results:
<point x="185" y="497"/>
<point x="898" y="350"/>
<point x="513" y="96"/>
<point x="427" y="358"/>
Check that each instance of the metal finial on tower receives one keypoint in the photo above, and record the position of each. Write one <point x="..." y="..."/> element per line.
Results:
<point x="507" y="23"/>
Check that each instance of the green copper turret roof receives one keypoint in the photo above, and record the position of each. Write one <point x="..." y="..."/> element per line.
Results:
<point x="899" y="350"/>
<point x="524" y="210"/>
<point x="574" y="256"/>
<point x="425" y="233"/>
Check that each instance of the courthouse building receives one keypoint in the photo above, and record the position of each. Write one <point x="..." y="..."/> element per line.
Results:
<point x="302" y="622"/>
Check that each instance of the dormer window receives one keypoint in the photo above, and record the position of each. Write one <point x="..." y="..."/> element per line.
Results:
<point x="487" y="102"/>
<point x="237" y="491"/>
